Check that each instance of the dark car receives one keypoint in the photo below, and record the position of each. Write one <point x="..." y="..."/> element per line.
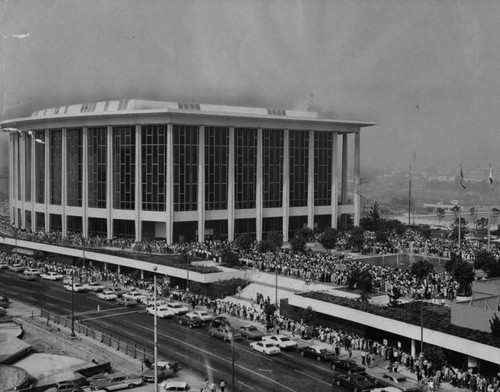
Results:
<point x="191" y="320"/>
<point x="346" y="365"/>
<point x="250" y="332"/>
<point x="163" y="373"/>
<point x="220" y="321"/>
<point x="357" y="382"/>
<point x="319" y="353"/>
<point x="4" y="301"/>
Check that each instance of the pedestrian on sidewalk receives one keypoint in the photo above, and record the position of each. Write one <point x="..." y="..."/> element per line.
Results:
<point x="222" y="385"/>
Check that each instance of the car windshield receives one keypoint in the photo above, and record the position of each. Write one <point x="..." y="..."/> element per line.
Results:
<point x="284" y="339"/>
<point x="176" y="306"/>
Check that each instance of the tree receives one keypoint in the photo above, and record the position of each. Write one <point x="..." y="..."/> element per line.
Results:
<point x="306" y="233"/>
<point x="329" y="238"/>
<point x="381" y="236"/>
<point x="298" y="244"/>
<point x="269" y="310"/>
<point x="483" y="258"/>
<point x="373" y="220"/>
<point x="436" y="356"/>
<point x="364" y="283"/>
<point x="357" y="238"/>
<point x="229" y="258"/>
<point x="266" y="246"/>
<point x="276" y="239"/>
<point x="464" y="274"/>
<point x="307" y="315"/>
<point x="244" y="241"/>
<point x="421" y="269"/>
<point x="440" y="214"/>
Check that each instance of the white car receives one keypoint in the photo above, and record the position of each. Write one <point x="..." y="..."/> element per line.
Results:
<point x="77" y="287"/>
<point x="138" y="296"/>
<point x="178" y="308"/>
<point x="265" y="347"/>
<point x="51" y="275"/>
<point x="107" y="295"/>
<point x="4" y="264"/>
<point x="150" y="302"/>
<point x="33" y="271"/>
<point x="281" y="341"/>
<point x="162" y="311"/>
<point x="94" y="286"/>
<point x="204" y="315"/>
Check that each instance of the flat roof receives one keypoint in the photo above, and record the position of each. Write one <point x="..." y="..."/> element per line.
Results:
<point x="126" y="107"/>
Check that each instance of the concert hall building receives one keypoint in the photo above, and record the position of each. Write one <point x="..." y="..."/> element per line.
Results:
<point x="181" y="171"/>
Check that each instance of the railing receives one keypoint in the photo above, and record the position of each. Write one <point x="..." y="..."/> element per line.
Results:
<point x="127" y="346"/>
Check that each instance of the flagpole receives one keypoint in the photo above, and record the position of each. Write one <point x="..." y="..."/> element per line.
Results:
<point x="460" y="213"/>
<point x="490" y="180"/>
<point x="409" y="197"/>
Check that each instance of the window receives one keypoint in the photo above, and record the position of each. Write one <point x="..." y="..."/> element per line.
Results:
<point x="154" y="161"/>
<point x="185" y="168"/>
<point x="245" y="167"/>
<point x="216" y="167"/>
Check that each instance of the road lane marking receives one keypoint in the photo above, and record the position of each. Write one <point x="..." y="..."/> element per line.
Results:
<point x="58" y="298"/>
<point x="314" y="378"/>
<point x="182" y="355"/>
<point x="248" y="386"/>
<point x="104" y="316"/>
<point x="213" y="355"/>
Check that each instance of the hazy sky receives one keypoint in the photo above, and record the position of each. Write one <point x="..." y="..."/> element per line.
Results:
<point x="427" y="72"/>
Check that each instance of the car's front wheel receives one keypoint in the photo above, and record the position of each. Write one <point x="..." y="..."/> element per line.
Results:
<point x="131" y="386"/>
<point x="318" y="359"/>
<point x="333" y="366"/>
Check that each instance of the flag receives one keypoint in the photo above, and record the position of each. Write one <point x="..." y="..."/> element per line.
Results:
<point x="491" y="180"/>
<point x="462" y="179"/>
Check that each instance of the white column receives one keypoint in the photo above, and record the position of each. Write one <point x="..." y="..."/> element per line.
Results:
<point x="259" y="201"/>
<point x="201" y="184"/>
<point x="343" y="191"/>
<point x="169" y="208"/>
<point x="335" y="195"/>
<point x="310" y="182"/>
<point x="109" y="182"/>
<point x="33" y="182"/>
<point x="17" y="179"/>
<point x="138" y="183"/>
<point x="47" y="179"/>
<point x="357" y="175"/>
<point x="64" y="181"/>
<point x="85" y="182"/>
<point x="230" y="187"/>
<point x="22" y="178"/>
<point x="12" y="182"/>
<point x="286" y="183"/>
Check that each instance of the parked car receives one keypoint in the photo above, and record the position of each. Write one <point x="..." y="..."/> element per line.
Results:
<point x="3" y="311"/>
<point x="67" y="279"/>
<point x="281" y="341"/>
<point x="76" y="287"/>
<point x="386" y="389"/>
<point x="68" y="386"/>
<point x="162" y="311"/>
<point x="107" y="295"/>
<point x="51" y="275"/>
<point x="393" y="379"/>
<point x="204" y="315"/>
<point x="346" y="365"/>
<point x="162" y="371"/>
<point x="136" y="295"/>
<point x="357" y="382"/>
<point x="191" y="320"/>
<point x="149" y="301"/>
<point x="94" y="286"/>
<point x="264" y="347"/>
<point x="119" y="291"/>
<point x="319" y="353"/>
<point x="174" y="386"/>
<point x="220" y="321"/>
<point x="25" y="276"/>
<point x="251" y="332"/>
<point x="4" y="264"/>
<point x="17" y="267"/>
<point x="178" y="308"/>
<point x="224" y="332"/>
<point x="33" y="271"/>
<point x="124" y="301"/>
<point x="117" y="381"/>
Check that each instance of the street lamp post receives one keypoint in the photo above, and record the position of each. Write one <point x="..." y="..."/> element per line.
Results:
<point x="73" y="301"/>
<point x="187" y="271"/>
<point x="232" y="359"/>
<point x="155" y="331"/>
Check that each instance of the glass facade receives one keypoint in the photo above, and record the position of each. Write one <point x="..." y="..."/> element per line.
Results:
<point x="272" y="169"/>
<point x="323" y="155"/>
<point x="98" y="227"/>
<point x="55" y="166"/>
<point x="216" y="167"/>
<point x="124" y="168"/>
<point x="296" y="223"/>
<point x="27" y="167"/>
<point x="299" y="156"/>
<point x="55" y="221"/>
<point x="40" y="221"/>
<point x="154" y="160"/>
<point x="17" y="169"/>
<point x="97" y="165"/>
<point x="40" y="168"/>
<point x="124" y="228"/>
<point x="74" y="166"/>
<point x="185" y="168"/>
<point x="245" y="173"/>
<point x="216" y="229"/>
<point x="245" y="227"/>
<point x="74" y="224"/>
<point x="271" y="225"/>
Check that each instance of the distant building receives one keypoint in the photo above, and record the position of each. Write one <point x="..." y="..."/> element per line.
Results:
<point x="180" y="171"/>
